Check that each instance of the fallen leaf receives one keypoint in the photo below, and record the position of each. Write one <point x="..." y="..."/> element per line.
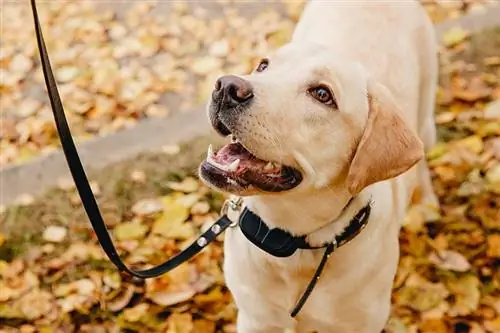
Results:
<point x="493" y="326"/>
<point x="180" y="323"/>
<point x="492" y="111"/>
<point x="454" y="36"/>
<point x="35" y="304"/>
<point x="466" y="293"/>
<point x="54" y="234"/>
<point x="119" y="302"/>
<point x="395" y="325"/>
<point x="450" y="260"/>
<point x="493" y="246"/>
<point x="81" y="287"/>
<point x="187" y="185"/>
<point x="421" y="295"/>
<point x="205" y="65"/>
<point x="474" y="143"/>
<point x="171" y="223"/>
<point x="138" y="176"/>
<point x="171" y="149"/>
<point x="147" y="207"/>
<point x="130" y="230"/>
<point x="135" y="313"/>
<point x="168" y="298"/>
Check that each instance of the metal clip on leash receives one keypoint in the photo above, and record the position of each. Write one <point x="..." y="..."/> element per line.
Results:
<point x="83" y="187"/>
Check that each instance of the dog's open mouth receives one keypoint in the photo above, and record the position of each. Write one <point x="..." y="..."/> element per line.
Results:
<point x="234" y="167"/>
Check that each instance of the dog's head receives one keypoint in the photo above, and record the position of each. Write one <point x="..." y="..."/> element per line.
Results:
<point x="301" y="120"/>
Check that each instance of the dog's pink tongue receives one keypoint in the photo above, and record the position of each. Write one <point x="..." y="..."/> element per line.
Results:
<point x="232" y="152"/>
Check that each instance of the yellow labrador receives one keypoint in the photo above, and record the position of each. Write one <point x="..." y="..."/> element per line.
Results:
<point x="336" y="120"/>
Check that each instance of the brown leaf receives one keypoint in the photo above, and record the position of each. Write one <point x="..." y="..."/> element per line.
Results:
<point x="493" y="325"/>
<point x="122" y="300"/>
<point x="203" y="326"/>
<point x="35" y="304"/>
<point x="493" y="246"/>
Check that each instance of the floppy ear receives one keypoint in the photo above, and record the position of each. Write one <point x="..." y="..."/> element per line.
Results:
<point x="388" y="146"/>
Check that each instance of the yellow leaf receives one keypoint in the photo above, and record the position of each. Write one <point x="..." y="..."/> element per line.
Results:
<point x="171" y="222"/>
<point x="467" y="295"/>
<point x="474" y="143"/>
<point x="395" y="325"/>
<point x="421" y="295"/>
<point x="454" y="36"/>
<point x="438" y="150"/>
<point x="130" y="230"/>
<point x="135" y="313"/>
<point x="180" y="323"/>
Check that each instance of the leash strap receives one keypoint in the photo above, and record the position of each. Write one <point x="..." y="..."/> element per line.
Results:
<point x="83" y="186"/>
<point x="328" y="252"/>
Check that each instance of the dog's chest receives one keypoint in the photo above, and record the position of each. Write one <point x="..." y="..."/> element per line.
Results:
<point x="356" y="283"/>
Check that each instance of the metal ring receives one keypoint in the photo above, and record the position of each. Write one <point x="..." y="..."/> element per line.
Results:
<point x="235" y="204"/>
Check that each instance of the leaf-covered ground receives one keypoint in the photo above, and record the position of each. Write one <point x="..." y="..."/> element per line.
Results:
<point x="119" y="63"/>
<point x="54" y="277"/>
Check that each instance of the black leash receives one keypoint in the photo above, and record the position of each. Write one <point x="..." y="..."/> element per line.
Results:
<point x="83" y="186"/>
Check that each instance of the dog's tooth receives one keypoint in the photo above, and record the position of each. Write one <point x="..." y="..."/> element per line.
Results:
<point x="269" y="166"/>
<point x="233" y="139"/>
<point x="234" y="166"/>
<point x="210" y="151"/>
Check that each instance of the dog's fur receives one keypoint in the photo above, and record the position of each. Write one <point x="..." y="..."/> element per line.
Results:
<point x="379" y="59"/>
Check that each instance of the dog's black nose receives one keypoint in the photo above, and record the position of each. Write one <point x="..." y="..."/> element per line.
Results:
<point x="232" y="90"/>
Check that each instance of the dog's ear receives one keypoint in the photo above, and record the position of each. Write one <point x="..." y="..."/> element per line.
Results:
<point x="388" y="147"/>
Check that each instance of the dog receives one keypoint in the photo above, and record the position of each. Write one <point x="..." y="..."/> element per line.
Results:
<point x="337" y="119"/>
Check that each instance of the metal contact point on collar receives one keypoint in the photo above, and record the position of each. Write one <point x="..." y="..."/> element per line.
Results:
<point x="233" y="203"/>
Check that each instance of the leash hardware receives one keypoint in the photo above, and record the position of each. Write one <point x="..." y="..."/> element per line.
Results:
<point x="233" y="203"/>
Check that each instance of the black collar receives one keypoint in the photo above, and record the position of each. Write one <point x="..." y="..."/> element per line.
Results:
<point x="280" y="243"/>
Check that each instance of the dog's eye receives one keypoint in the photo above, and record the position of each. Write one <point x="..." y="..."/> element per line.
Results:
<point x="322" y="94"/>
<point x="262" y="65"/>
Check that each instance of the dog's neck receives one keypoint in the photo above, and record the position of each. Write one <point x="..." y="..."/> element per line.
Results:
<point x="308" y="213"/>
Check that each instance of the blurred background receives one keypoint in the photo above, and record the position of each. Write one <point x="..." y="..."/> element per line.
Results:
<point x="133" y="77"/>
